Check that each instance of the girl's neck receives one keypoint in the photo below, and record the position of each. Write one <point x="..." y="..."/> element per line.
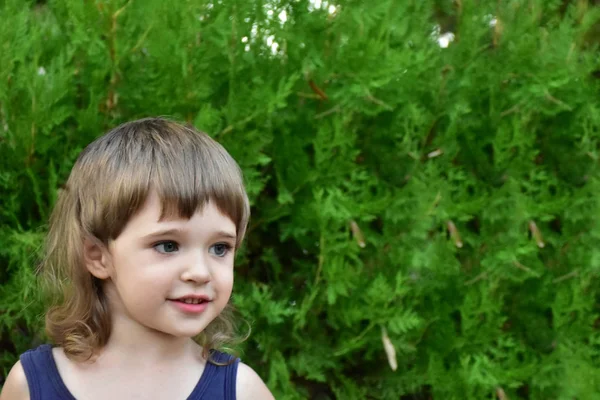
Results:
<point x="131" y="341"/>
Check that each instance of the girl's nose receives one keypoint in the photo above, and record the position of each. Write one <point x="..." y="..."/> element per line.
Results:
<point x="196" y="269"/>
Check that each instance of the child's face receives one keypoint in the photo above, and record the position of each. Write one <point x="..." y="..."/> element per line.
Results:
<point x="154" y="263"/>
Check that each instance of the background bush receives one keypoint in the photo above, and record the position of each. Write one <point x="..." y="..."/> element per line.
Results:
<point x="444" y="198"/>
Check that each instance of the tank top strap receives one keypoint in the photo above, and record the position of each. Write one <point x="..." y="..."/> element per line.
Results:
<point x="42" y="375"/>
<point x="230" y="375"/>
<point x="218" y="382"/>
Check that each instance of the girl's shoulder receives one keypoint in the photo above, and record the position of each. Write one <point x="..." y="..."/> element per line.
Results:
<point x="22" y="381"/>
<point x="246" y="384"/>
<point x="239" y="380"/>
<point x="250" y="386"/>
<point x="15" y="387"/>
<point x="41" y="374"/>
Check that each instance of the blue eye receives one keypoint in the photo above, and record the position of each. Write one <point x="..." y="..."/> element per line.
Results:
<point x="166" y="247"/>
<point x="220" y="249"/>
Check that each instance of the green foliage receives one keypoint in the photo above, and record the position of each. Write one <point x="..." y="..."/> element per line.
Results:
<point x="446" y="196"/>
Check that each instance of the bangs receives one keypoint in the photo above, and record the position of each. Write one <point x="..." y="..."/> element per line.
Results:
<point x="187" y="182"/>
<point x="186" y="168"/>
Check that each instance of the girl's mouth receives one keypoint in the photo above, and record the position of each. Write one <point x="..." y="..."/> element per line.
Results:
<point x="191" y="306"/>
<point x="191" y="301"/>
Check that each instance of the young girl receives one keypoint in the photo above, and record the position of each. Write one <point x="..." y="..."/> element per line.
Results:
<point x="140" y="251"/>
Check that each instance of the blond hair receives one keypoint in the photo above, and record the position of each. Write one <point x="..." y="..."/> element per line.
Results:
<point x="108" y="184"/>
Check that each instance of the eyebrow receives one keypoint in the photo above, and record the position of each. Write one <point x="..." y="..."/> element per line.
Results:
<point x="166" y="232"/>
<point x="225" y="234"/>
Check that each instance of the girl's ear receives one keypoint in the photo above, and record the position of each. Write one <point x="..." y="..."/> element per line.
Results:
<point x="96" y="258"/>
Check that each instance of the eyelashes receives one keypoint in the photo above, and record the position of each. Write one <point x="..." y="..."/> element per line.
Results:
<point x="169" y="247"/>
<point x="166" y="247"/>
<point x="220" y="249"/>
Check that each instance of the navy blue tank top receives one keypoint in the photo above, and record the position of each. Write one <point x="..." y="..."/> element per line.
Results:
<point x="45" y="383"/>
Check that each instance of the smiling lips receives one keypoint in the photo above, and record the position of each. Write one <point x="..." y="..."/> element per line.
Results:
<point x="192" y="303"/>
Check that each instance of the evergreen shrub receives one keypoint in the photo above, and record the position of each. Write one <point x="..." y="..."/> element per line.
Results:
<point x="425" y="217"/>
